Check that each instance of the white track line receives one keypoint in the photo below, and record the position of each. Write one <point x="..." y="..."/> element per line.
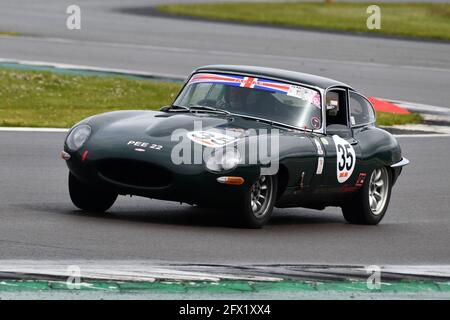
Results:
<point x="13" y="129"/>
<point x="92" y="68"/>
<point x="419" y="107"/>
<point x="422" y="128"/>
<point x="422" y="135"/>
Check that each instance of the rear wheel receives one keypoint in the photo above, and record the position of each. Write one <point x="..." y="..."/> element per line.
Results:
<point x="88" y="198"/>
<point x="371" y="203"/>
<point x="258" y="202"/>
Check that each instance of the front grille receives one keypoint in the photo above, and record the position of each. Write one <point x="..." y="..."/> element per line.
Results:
<point x="135" y="173"/>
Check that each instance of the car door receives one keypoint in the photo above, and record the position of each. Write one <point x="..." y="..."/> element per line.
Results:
<point x="342" y="152"/>
<point x="362" y="120"/>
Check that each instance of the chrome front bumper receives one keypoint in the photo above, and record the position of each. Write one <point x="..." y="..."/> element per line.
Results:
<point x="401" y="163"/>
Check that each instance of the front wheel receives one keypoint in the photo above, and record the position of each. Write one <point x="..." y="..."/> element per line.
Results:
<point x="258" y="202"/>
<point x="88" y="198"/>
<point x="371" y="203"/>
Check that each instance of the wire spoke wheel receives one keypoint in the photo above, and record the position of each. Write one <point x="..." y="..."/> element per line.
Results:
<point x="261" y="194"/>
<point x="378" y="190"/>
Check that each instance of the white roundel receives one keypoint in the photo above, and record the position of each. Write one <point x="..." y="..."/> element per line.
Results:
<point x="211" y="138"/>
<point x="345" y="159"/>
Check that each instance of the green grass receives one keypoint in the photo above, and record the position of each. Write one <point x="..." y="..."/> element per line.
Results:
<point x="389" y="119"/>
<point x="46" y="99"/>
<point x="422" y="20"/>
<point x="2" y="33"/>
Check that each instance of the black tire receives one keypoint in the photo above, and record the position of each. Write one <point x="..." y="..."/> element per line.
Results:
<point x="248" y="217"/>
<point x="88" y="198"/>
<point x="359" y="210"/>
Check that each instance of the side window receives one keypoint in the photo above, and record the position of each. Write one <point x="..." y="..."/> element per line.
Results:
<point x="336" y="107"/>
<point x="361" y="111"/>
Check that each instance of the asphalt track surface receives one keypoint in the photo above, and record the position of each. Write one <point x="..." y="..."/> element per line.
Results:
<point x="38" y="221"/>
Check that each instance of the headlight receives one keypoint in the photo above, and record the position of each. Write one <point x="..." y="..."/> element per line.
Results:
<point x="223" y="160"/>
<point x="77" y="137"/>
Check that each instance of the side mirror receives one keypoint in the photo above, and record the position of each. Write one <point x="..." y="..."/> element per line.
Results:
<point x="339" y="130"/>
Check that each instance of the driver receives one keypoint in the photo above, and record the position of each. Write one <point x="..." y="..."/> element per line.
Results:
<point x="234" y="98"/>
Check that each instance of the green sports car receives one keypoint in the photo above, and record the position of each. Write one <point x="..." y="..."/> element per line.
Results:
<point x="245" y="138"/>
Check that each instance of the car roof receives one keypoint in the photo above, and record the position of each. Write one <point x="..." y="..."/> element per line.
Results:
<point x="293" y="76"/>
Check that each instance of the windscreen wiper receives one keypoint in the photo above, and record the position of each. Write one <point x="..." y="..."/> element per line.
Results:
<point x="195" y="108"/>
<point x="175" y="108"/>
<point x="209" y="109"/>
<point x="274" y="123"/>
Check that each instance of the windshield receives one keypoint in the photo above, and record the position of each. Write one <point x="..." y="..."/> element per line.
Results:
<point x="276" y="101"/>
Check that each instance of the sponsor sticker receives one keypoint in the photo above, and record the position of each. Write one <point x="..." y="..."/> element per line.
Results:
<point x="296" y="91"/>
<point x="319" y="147"/>
<point x="320" y="162"/>
<point x="360" y="181"/>
<point x="305" y="94"/>
<point x="315" y="122"/>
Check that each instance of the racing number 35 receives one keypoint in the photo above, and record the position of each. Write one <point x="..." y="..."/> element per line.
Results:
<point x="346" y="161"/>
<point x="345" y="158"/>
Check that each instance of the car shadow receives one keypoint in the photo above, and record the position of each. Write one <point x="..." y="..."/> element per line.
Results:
<point x="190" y="215"/>
<point x="219" y="218"/>
<point x="183" y="216"/>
